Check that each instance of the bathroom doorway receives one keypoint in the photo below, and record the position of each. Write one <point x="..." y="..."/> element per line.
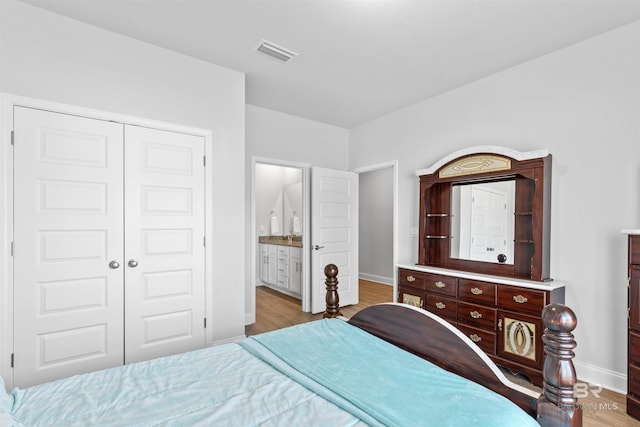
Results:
<point x="280" y="219"/>
<point x="265" y="201"/>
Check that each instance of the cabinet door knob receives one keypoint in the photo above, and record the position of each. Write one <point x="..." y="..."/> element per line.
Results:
<point x="114" y="264"/>
<point x="133" y="263"/>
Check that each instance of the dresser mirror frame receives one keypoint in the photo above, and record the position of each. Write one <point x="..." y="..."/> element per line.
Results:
<point x="531" y="172"/>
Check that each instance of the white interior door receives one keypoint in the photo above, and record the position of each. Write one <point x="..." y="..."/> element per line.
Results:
<point x="488" y="224"/>
<point x="68" y="313"/>
<point x="164" y="246"/>
<point x="334" y="234"/>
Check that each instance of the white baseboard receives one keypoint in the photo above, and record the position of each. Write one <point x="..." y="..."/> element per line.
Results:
<point x="376" y="278"/>
<point x="614" y="381"/>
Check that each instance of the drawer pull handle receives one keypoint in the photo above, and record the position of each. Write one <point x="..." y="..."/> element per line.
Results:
<point x="475" y="338"/>
<point x="500" y="324"/>
<point x="475" y="315"/>
<point x="476" y="291"/>
<point x="520" y="299"/>
<point x="440" y="285"/>
<point x="411" y="279"/>
<point x="440" y="306"/>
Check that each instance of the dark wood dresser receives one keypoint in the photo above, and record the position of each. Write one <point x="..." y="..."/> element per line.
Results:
<point x="633" y="373"/>
<point x="483" y="260"/>
<point x="501" y="315"/>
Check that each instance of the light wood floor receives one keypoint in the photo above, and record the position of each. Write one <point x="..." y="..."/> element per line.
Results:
<point x="275" y="310"/>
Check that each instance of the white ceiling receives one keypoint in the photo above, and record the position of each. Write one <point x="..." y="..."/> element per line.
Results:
<point x="358" y="59"/>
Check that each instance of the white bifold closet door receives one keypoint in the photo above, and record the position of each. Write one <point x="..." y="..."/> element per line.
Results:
<point x="108" y="250"/>
<point x="164" y="243"/>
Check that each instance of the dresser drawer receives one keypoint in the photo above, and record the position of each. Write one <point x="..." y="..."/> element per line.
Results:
<point x="443" y="307"/>
<point x="414" y="297"/>
<point x="634" y="249"/>
<point x="634" y="380"/>
<point x="484" y="339"/>
<point x="414" y="279"/>
<point x="478" y="292"/>
<point x="521" y="299"/>
<point x="634" y="349"/>
<point x="445" y="285"/>
<point x="476" y="315"/>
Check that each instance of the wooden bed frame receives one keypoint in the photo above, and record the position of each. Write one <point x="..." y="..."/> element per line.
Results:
<point x="434" y="339"/>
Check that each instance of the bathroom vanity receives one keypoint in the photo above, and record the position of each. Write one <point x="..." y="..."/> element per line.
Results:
<point x="280" y="263"/>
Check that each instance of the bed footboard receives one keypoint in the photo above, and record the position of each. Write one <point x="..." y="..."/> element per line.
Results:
<point x="434" y="339"/>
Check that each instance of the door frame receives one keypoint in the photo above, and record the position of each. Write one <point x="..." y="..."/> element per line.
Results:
<point x="253" y="281"/>
<point x="385" y="165"/>
<point x="7" y="102"/>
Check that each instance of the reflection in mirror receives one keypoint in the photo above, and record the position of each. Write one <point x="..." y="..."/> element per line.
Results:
<point x="292" y="208"/>
<point x="482" y="221"/>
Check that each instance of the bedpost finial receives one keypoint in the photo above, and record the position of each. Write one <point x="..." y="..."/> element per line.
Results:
<point x="559" y="318"/>
<point x="331" y="271"/>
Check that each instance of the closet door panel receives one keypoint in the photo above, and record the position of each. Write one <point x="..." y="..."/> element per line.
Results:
<point x="164" y="248"/>
<point x="68" y="207"/>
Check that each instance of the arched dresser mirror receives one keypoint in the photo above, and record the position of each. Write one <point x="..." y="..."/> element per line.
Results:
<point x="487" y="212"/>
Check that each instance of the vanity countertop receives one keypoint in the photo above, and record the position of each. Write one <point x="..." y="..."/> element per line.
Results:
<point x="295" y="241"/>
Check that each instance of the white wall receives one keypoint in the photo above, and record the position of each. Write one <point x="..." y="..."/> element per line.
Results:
<point x="375" y="226"/>
<point x="47" y="56"/>
<point x="583" y="103"/>
<point x="275" y="135"/>
<point x="290" y="140"/>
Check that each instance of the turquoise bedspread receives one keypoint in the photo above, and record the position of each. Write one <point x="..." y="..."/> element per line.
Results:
<point x="217" y="386"/>
<point x="334" y="375"/>
<point x="390" y="386"/>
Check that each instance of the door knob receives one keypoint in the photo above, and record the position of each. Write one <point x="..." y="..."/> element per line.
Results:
<point x="114" y="264"/>
<point x="133" y="263"/>
<point x="317" y="247"/>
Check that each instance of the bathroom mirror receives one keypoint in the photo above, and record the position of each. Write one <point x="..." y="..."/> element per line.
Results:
<point x="482" y="221"/>
<point x="292" y="209"/>
<point x="278" y="200"/>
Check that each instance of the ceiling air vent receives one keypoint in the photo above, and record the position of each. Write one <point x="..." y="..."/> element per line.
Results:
<point x="275" y="51"/>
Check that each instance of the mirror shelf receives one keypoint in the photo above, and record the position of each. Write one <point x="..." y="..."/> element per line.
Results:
<point x="522" y="250"/>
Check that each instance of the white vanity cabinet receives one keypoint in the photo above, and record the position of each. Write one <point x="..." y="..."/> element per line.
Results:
<point x="295" y="270"/>
<point x="281" y="268"/>
<point x="268" y="263"/>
